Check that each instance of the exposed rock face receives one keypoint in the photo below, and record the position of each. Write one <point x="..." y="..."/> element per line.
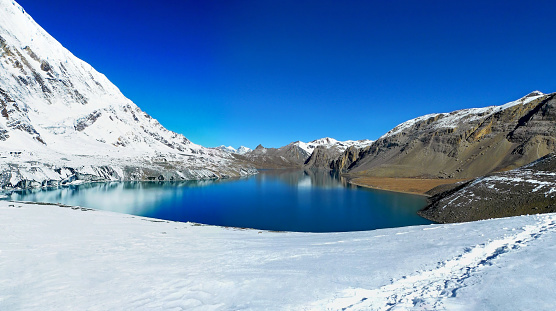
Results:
<point x="321" y="157"/>
<point x="463" y="144"/>
<point x="346" y="160"/>
<point x="527" y="190"/>
<point x="335" y="157"/>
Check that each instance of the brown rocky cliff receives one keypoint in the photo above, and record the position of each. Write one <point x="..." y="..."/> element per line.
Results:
<point x="462" y="144"/>
<point x="346" y="159"/>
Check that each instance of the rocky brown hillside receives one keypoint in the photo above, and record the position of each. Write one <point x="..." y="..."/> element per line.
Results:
<point x="527" y="190"/>
<point x="461" y="144"/>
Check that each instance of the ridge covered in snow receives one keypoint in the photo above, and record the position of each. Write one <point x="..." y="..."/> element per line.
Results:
<point x="328" y="142"/>
<point x="58" y="111"/>
<point x="453" y="119"/>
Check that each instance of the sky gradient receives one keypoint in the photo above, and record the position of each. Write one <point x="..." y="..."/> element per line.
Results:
<point x="273" y="72"/>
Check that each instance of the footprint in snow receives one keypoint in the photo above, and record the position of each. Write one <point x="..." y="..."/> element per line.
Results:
<point x="427" y="289"/>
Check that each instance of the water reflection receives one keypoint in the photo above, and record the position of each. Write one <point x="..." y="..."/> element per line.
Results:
<point x="306" y="178"/>
<point x="134" y="197"/>
<point x="291" y="200"/>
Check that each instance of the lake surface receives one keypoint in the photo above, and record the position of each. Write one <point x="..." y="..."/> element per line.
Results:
<point x="284" y="200"/>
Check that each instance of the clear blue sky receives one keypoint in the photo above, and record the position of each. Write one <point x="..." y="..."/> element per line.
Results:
<point x="276" y="71"/>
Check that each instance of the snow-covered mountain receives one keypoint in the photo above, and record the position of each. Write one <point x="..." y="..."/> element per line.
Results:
<point x="230" y="149"/>
<point x="55" y="106"/>
<point x="242" y="150"/>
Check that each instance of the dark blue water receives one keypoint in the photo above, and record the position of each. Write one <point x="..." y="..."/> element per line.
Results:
<point x="307" y="201"/>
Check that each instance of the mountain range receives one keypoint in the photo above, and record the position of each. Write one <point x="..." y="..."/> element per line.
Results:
<point x="298" y="153"/>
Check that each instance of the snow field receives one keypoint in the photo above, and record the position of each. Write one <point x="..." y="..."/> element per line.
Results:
<point x="54" y="258"/>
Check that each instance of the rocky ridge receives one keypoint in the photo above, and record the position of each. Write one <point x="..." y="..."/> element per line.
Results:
<point x="462" y="144"/>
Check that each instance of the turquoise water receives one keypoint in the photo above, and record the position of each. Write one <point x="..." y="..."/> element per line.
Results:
<point x="306" y="201"/>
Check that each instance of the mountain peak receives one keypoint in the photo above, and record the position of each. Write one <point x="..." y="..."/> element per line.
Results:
<point x="324" y="141"/>
<point x="230" y="149"/>
<point x="243" y="150"/>
<point x="534" y="93"/>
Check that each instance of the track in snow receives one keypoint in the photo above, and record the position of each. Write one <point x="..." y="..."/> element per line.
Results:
<point x="428" y="290"/>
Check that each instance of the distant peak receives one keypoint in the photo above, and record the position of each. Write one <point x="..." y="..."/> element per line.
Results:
<point x="325" y="140"/>
<point x="259" y="147"/>
<point x="243" y="150"/>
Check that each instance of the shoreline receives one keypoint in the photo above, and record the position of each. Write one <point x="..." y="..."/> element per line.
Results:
<point x="389" y="190"/>
<point x="416" y="186"/>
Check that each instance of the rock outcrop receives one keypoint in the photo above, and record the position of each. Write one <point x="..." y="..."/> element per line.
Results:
<point x="347" y="159"/>
<point x="530" y="189"/>
<point x="321" y="158"/>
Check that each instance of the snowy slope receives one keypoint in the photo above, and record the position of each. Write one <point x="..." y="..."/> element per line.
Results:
<point x="55" y="258"/>
<point x="54" y="105"/>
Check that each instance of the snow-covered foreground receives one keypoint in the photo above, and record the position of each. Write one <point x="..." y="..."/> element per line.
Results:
<point x="60" y="258"/>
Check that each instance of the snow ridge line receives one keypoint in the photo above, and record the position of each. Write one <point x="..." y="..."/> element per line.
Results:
<point x="428" y="290"/>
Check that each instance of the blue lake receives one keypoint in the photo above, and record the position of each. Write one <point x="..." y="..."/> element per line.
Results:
<point x="283" y="200"/>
